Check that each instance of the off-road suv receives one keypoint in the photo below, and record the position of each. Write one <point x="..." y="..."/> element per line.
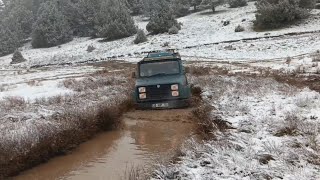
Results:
<point x="161" y="82"/>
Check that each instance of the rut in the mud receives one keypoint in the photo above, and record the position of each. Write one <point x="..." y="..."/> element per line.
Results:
<point x="146" y="136"/>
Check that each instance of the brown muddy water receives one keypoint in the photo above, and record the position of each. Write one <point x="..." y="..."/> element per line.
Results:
<point x="147" y="136"/>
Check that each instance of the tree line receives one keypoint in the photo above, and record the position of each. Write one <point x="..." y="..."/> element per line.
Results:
<point x="50" y="23"/>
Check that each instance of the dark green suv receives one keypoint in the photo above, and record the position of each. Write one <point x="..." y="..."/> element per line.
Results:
<point x="161" y="82"/>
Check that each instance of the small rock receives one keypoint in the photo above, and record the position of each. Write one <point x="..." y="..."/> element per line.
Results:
<point x="230" y="47"/>
<point x="192" y="166"/>
<point x="226" y="23"/>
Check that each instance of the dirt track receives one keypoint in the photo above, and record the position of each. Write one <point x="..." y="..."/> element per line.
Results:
<point x="146" y="136"/>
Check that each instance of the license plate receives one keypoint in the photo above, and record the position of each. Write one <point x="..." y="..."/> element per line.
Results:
<point x="160" y="105"/>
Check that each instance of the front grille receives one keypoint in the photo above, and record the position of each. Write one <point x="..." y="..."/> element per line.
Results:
<point x="157" y="92"/>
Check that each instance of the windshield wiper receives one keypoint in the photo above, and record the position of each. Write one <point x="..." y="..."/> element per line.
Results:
<point x="158" y="74"/>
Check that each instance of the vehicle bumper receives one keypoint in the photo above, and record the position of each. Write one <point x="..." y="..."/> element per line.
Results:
<point x="171" y="104"/>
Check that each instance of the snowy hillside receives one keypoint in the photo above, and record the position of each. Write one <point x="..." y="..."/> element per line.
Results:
<point x="203" y="36"/>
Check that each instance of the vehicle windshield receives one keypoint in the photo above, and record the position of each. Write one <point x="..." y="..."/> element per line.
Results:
<point x="159" y="68"/>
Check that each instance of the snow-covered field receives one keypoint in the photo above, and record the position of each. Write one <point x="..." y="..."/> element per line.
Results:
<point x="42" y="82"/>
<point x="276" y="133"/>
<point x="199" y="32"/>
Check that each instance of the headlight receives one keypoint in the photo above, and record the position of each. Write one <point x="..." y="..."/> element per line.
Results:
<point x="174" y="87"/>
<point x="142" y="89"/>
<point x="143" y="96"/>
<point x="175" y="93"/>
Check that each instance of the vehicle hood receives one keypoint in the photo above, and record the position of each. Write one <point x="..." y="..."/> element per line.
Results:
<point x="155" y="80"/>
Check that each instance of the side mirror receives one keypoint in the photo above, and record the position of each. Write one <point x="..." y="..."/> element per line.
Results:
<point x="184" y="70"/>
<point x="133" y="75"/>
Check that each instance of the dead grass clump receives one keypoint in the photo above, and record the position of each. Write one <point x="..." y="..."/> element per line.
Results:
<point x="290" y="127"/>
<point x="196" y="91"/>
<point x="198" y="70"/>
<point x="207" y="122"/>
<point x="13" y="103"/>
<point x="108" y="117"/>
<point x="92" y="83"/>
<point x="69" y="83"/>
<point x="316" y="57"/>
<point x="135" y="173"/>
<point x="33" y="83"/>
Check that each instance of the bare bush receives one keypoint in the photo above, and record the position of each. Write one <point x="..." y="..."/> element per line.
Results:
<point x="290" y="126"/>
<point x="207" y="122"/>
<point x="13" y="103"/>
<point x="34" y="83"/>
<point x="90" y="48"/>
<point x="92" y="83"/>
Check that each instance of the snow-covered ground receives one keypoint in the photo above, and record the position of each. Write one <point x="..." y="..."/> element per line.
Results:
<point x="42" y="82"/>
<point x="199" y="31"/>
<point x="276" y="133"/>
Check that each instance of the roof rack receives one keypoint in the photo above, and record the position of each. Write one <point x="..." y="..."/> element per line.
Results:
<point x="161" y="55"/>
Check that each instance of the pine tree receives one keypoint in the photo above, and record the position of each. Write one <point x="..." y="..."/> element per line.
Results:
<point x="15" y="26"/>
<point x="162" y="19"/>
<point x="51" y="28"/>
<point x="9" y="40"/>
<point x="212" y="3"/>
<point x="140" y="37"/>
<point x="180" y="7"/>
<point x="84" y="20"/>
<point x="195" y="4"/>
<point x="152" y="6"/>
<point x="136" y="6"/>
<point x="114" y="20"/>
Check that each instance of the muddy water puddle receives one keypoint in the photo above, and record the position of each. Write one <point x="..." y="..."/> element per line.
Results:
<point x="147" y="136"/>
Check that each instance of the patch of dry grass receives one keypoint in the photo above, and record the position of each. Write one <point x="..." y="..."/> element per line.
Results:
<point x="208" y="121"/>
<point x="316" y="57"/>
<point x="13" y="103"/>
<point x="135" y="173"/>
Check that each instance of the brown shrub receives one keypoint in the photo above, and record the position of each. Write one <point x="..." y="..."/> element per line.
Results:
<point x="14" y="102"/>
<point x="93" y="82"/>
<point x="198" y="70"/>
<point x="108" y="117"/>
<point x="208" y="123"/>
<point x="290" y="126"/>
